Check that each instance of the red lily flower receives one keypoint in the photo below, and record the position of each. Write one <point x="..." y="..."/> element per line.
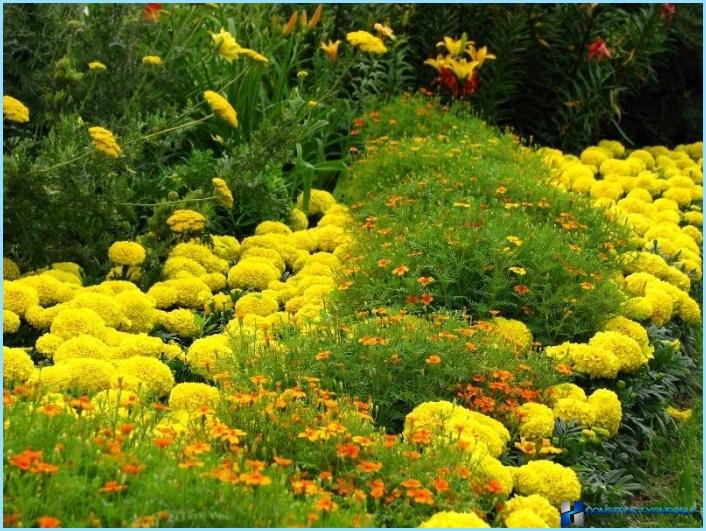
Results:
<point x="598" y="50"/>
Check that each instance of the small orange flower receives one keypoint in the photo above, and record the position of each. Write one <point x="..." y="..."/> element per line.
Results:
<point x="345" y="285"/>
<point x="421" y="437"/>
<point x="347" y="450"/>
<point x="126" y="429"/>
<point x="411" y="484"/>
<point x="411" y="454"/>
<point x="160" y="442"/>
<point x="282" y="461"/>
<point x="521" y="289"/>
<point x="425" y="280"/>
<point x="390" y="441"/>
<point x="50" y="410"/>
<point x="563" y="368"/>
<point x="400" y="270"/>
<point x="112" y="486"/>
<point x="323" y="356"/>
<point x="441" y="485"/>
<point x="383" y="262"/>
<point x="587" y="285"/>
<point x="48" y="522"/>
<point x="377" y="488"/>
<point x="258" y="379"/>
<point x="433" y="359"/>
<point x="424" y="496"/>
<point x="369" y="466"/>
<point x="44" y="468"/>
<point x="326" y="503"/>
<point x="494" y="486"/>
<point x="132" y="469"/>
<point x="427" y="299"/>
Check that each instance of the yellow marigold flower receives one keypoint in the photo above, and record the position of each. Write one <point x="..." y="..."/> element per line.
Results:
<point x="192" y="396"/>
<point x="681" y="415"/>
<point x="538" y="505"/>
<point x="186" y="221"/>
<point x="536" y="420"/>
<point x="105" y="141"/>
<point x="220" y="106"/>
<point x="223" y="193"/>
<point x="256" y="304"/>
<point x="252" y="273"/>
<point x="18" y="297"/>
<point x="628" y="352"/>
<point x="366" y="42"/>
<point x="152" y="60"/>
<point x="87" y="375"/>
<point x="82" y="347"/>
<point x="180" y="321"/>
<point x="453" y="520"/>
<point x="276" y="227"/>
<point x="72" y="322"/>
<point x="14" y="110"/>
<point x="156" y="377"/>
<point x="608" y="410"/>
<point x="226" y="45"/>
<point x="10" y="322"/>
<point x="524" y="519"/>
<point x="205" y="354"/>
<point x="17" y="366"/>
<point x="126" y="253"/>
<point x="226" y="247"/>
<point x="554" y="482"/>
<point x="97" y="66"/>
<point x="201" y="254"/>
<point x="331" y="49"/>
<point x="319" y="201"/>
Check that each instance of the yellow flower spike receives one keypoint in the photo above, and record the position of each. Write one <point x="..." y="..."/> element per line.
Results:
<point x="226" y="45"/>
<point x="97" y="66"/>
<point x="220" y="106"/>
<point x="104" y="141"/>
<point x="14" y="110"/>
<point x="331" y="49"/>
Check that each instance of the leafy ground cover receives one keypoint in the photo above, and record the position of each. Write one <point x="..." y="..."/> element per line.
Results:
<point x="471" y="332"/>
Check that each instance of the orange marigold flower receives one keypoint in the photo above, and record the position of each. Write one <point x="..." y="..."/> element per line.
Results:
<point x="347" y="450"/>
<point x="424" y="496"/>
<point x="44" y="468"/>
<point x="383" y="262"/>
<point x="400" y="270"/>
<point x="425" y="280"/>
<point x="471" y="346"/>
<point x="421" y="437"/>
<point x="377" y="488"/>
<point x="411" y="454"/>
<point x="132" y="469"/>
<point x="326" y="503"/>
<point x="282" y="461"/>
<point x="441" y="485"/>
<point x="433" y="359"/>
<point x="112" y="486"/>
<point x="502" y="375"/>
<point x="50" y="410"/>
<point x="369" y="466"/>
<point x="521" y="289"/>
<point x="162" y="442"/>
<point x="411" y="483"/>
<point x="495" y="486"/>
<point x="587" y="285"/>
<point x="48" y="522"/>
<point x="427" y="299"/>
<point x="258" y="379"/>
<point x="390" y="441"/>
<point x="563" y="368"/>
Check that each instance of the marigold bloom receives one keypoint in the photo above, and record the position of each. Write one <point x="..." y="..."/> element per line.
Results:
<point x="433" y="359"/>
<point x="425" y="280"/>
<point x="323" y="356"/>
<point x="220" y="106"/>
<point x="112" y="486"/>
<point x="521" y="289"/>
<point x="186" y="221"/>
<point x="424" y="496"/>
<point x="427" y="299"/>
<point x="48" y="522"/>
<point x="104" y="141"/>
<point x="400" y="270"/>
<point x="366" y="42"/>
<point x="14" y="110"/>
<point x="282" y="461"/>
<point x="369" y="466"/>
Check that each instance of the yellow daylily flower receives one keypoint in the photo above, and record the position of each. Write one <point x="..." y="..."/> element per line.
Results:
<point x="480" y="55"/>
<point x="331" y="49"/>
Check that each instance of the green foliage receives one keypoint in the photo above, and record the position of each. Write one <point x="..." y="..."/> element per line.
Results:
<point x="469" y="177"/>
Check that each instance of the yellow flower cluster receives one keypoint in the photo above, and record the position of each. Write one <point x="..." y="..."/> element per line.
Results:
<point x="454" y="520"/>
<point x="554" y="482"/>
<point x="477" y="433"/>
<point x="14" y="110"/>
<point x="536" y="421"/>
<point x="105" y="141"/>
<point x="127" y="253"/>
<point x="523" y="511"/>
<point x="366" y="42"/>
<point x="455" y="61"/>
<point x="601" y="411"/>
